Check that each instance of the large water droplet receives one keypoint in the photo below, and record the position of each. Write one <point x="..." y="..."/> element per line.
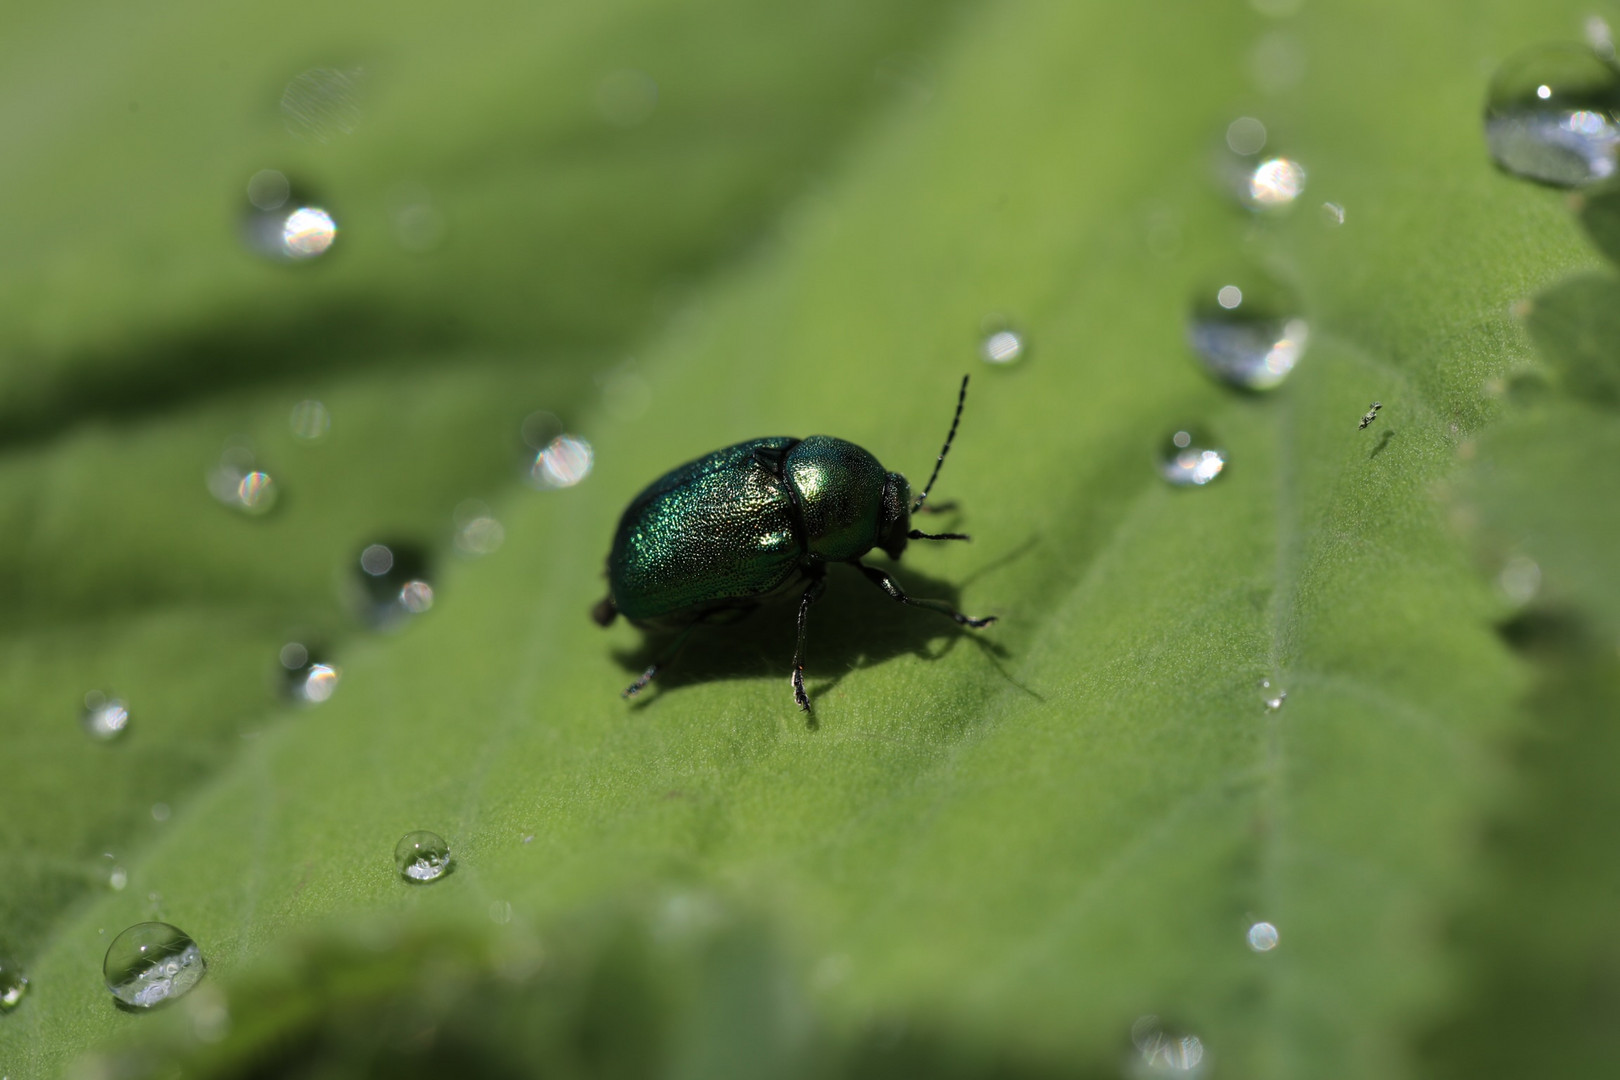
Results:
<point x="564" y="462"/>
<point x="1248" y="331"/>
<point x="239" y="483"/>
<point x="150" y="963"/>
<point x="13" y="986"/>
<point x="308" y="679"/>
<point x="1262" y="937"/>
<point x="422" y="856"/>
<point x="1164" y="1050"/>
<point x="1550" y="116"/>
<point x="104" y="718"/>
<point x="394" y="582"/>
<point x="1189" y="459"/>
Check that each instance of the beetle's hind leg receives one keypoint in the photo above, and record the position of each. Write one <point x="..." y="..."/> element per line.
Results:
<point x="882" y="580"/>
<point x="817" y="585"/>
<point x="665" y="658"/>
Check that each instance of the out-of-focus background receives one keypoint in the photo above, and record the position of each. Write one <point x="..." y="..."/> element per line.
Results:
<point x="334" y="338"/>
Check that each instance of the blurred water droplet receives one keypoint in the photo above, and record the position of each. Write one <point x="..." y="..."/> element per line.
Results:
<point x="323" y="103"/>
<point x="1246" y="136"/>
<point x="13" y="986"/>
<point x="160" y="813"/>
<point x="563" y="463"/>
<point x="1332" y="213"/>
<point x="238" y="482"/>
<point x="309" y="421"/>
<point x="394" y="582"/>
<point x="307" y="678"/>
<point x="422" y="856"/>
<point x="539" y="428"/>
<point x="1262" y="937"/>
<point x="1520" y="579"/>
<point x="1002" y="344"/>
<point x="477" y="531"/>
<point x="209" y="1014"/>
<point x="1164" y="1050"/>
<point x="419" y="226"/>
<point x="500" y="912"/>
<point x="1598" y="36"/>
<point x="150" y="963"/>
<point x="1550" y="116"/>
<point x="626" y="98"/>
<point x="1249" y="335"/>
<point x="103" y="717"/>
<point x="268" y="189"/>
<point x="117" y="879"/>
<point x="1188" y="459"/>
<point x="294" y="231"/>
<point x="1275" y="183"/>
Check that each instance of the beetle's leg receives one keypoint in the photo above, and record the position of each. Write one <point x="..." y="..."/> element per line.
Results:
<point x="882" y="580"/>
<point x="663" y="661"/>
<point x="811" y="592"/>
<point x="937" y="507"/>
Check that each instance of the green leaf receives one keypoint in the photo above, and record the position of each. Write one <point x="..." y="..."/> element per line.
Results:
<point x="1017" y="842"/>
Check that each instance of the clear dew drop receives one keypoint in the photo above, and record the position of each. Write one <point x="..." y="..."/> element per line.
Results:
<point x="422" y="856"/>
<point x="13" y="986"/>
<point x="307" y="678"/>
<point x="239" y="483"/>
<point x="1163" y="1050"/>
<point x="1248" y="332"/>
<point x="393" y="582"/>
<point x="1551" y="116"/>
<point x="103" y="717"/>
<point x="1188" y="458"/>
<point x="1275" y="183"/>
<point x="1262" y="937"/>
<point x="564" y="462"/>
<point x="151" y="962"/>
<point x="309" y="421"/>
<point x="1002" y="344"/>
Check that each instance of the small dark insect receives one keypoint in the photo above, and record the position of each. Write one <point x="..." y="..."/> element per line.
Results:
<point x="711" y="540"/>
<point x="1372" y="414"/>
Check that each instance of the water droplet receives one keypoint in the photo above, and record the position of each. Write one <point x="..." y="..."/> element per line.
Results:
<point x="1002" y="344"/>
<point x="1598" y="36"/>
<point x="626" y="98"/>
<point x="1550" y="116"/>
<point x="322" y="103"/>
<point x="539" y="428"/>
<point x="117" y="879"/>
<point x="1262" y="937"/>
<point x="13" y="986"/>
<point x="563" y="463"/>
<point x="268" y="189"/>
<point x="1246" y="136"/>
<point x="1332" y="213"/>
<point x="1275" y="183"/>
<point x="422" y="856"/>
<point x="1520" y="579"/>
<point x="238" y="482"/>
<point x="291" y="230"/>
<point x="1272" y="696"/>
<point x="308" y="680"/>
<point x="150" y="963"/>
<point x="160" y="811"/>
<point x="1188" y="459"/>
<point x="500" y="912"/>
<point x="394" y="582"/>
<point x="477" y="531"/>
<point x="104" y="718"/>
<point x="309" y="421"/>
<point x="1164" y="1050"/>
<point x="1249" y="335"/>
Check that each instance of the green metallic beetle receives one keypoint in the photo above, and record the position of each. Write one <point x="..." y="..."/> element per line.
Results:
<point x="709" y="541"/>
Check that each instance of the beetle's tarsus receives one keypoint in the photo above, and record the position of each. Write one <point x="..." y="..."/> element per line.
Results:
<point x="799" y="696"/>
<point x="641" y="682"/>
<point x="918" y="534"/>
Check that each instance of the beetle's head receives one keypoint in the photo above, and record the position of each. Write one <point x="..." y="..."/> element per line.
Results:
<point x="894" y="521"/>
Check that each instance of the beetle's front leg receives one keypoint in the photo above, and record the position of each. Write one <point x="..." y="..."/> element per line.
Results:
<point x="882" y="580"/>
<point x="812" y="591"/>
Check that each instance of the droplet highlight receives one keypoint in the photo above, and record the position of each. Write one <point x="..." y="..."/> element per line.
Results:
<point x="307" y="678"/>
<point x="1248" y="333"/>
<point x="1163" y="1050"/>
<point x="1275" y="184"/>
<point x="13" y="986"/>
<point x="1187" y="459"/>
<point x="1550" y="116"/>
<point x="1262" y="937"/>
<point x="238" y="482"/>
<point x="1271" y="696"/>
<point x="422" y="856"/>
<point x="151" y="962"/>
<point x="564" y="462"/>
<point x="1002" y="345"/>
<point x="283" y="225"/>
<point x="104" y="718"/>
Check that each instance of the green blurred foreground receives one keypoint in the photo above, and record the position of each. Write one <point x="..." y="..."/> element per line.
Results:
<point x="679" y="226"/>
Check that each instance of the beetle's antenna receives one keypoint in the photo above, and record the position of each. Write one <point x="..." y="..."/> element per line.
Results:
<point x="961" y="399"/>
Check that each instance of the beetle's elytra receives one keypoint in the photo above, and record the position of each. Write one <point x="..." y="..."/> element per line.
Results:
<point x="710" y="540"/>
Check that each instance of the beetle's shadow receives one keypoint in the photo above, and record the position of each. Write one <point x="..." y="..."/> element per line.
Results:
<point x="853" y="626"/>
